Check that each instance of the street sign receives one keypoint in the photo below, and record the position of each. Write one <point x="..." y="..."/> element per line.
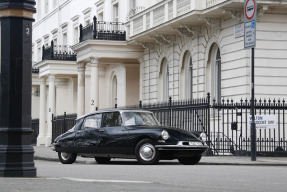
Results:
<point x="264" y="121"/>
<point x="250" y="34"/>
<point x="250" y="7"/>
<point x="239" y="30"/>
<point x="250" y="10"/>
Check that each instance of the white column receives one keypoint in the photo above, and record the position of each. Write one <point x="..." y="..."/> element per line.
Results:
<point x="151" y="20"/>
<point x="166" y="12"/>
<point x="51" y="107"/>
<point x="141" y="61"/>
<point x="122" y="87"/>
<point x="144" y="22"/>
<point x="42" y="119"/>
<point x="94" y="100"/>
<point x="174" y="8"/>
<point x="81" y="89"/>
<point x="131" y="29"/>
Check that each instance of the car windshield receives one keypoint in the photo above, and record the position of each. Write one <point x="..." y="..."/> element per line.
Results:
<point x="138" y="118"/>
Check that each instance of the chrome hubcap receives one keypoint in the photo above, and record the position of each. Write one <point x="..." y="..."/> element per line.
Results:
<point x="65" y="156"/>
<point x="147" y="152"/>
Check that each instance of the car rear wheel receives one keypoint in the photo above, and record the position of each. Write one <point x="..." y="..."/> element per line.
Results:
<point x="189" y="160"/>
<point x="146" y="153"/>
<point x="102" y="160"/>
<point x="67" y="158"/>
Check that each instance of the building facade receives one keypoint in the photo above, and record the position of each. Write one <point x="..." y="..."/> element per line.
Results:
<point x="196" y="47"/>
<point x="82" y="60"/>
<point x="182" y="49"/>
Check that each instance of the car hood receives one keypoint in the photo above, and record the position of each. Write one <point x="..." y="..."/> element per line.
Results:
<point x="181" y="134"/>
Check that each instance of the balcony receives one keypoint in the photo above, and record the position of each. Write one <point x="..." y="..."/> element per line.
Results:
<point x="210" y="3"/>
<point x="35" y="69"/>
<point x="168" y="12"/>
<point x="58" y="52"/>
<point x="101" y="30"/>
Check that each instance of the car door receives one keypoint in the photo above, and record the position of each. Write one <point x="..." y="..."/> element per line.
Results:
<point x="87" y="137"/>
<point x="112" y="134"/>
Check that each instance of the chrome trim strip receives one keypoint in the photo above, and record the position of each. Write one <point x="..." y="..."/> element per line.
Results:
<point x="180" y="145"/>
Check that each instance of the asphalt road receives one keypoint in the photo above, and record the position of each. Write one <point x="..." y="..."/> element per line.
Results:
<point x="167" y="177"/>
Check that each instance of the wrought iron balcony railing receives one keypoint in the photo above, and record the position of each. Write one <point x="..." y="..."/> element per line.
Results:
<point x="58" y="52"/>
<point x="35" y="69"/>
<point x="102" y="30"/>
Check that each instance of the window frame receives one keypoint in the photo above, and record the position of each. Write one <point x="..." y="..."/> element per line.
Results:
<point x="94" y="116"/>
<point x="106" y="125"/>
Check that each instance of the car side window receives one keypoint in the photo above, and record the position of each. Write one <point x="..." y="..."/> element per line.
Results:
<point x="93" y="121"/>
<point x="112" y="119"/>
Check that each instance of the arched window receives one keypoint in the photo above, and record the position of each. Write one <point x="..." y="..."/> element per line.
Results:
<point x="186" y="77"/>
<point x="114" y="91"/>
<point x="214" y="73"/>
<point x="164" y="81"/>
<point x="217" y="76"/>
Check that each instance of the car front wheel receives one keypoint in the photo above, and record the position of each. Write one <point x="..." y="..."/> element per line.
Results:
<point x="102" y="160"/>
<point x="146" y="153"/>
<point x="67" y="158"/>
<point x="189" y="160"/>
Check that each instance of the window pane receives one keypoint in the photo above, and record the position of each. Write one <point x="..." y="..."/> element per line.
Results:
<point x="93" y="121"/>
<point x="112" y="119"/>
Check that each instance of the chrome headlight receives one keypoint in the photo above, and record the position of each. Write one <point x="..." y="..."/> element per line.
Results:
<point x="164" y="135"/>
<point x="203" y="136"/>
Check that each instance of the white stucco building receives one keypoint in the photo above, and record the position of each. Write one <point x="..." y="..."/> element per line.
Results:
<point x="173" y="48"/>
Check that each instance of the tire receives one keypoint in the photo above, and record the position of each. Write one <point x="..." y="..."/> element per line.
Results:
<point x="189" y="160"/>
<point x="146" y="153"/>
<point x="67" y="158"/>
<point x="103" y="160"/>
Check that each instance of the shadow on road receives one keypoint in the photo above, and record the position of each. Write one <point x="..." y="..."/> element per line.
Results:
<point x="131" y="162"/>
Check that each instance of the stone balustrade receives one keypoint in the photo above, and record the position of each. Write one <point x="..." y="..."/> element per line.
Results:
<point x="164" y="12"/>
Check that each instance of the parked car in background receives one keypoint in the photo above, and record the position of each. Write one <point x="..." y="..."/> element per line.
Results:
<point x="136" y="134"/>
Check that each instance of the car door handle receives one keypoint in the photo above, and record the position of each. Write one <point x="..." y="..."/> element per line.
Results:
<point x="102" y="130"/>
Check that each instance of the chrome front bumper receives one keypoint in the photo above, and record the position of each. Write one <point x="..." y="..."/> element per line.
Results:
<point x="52" y="146"/>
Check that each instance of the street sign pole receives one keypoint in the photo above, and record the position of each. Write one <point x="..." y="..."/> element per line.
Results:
<point x="250" y="12"/>
<point x="253" y="125"/>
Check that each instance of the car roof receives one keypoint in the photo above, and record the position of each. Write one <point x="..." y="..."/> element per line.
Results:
<point x="113" y="110"/>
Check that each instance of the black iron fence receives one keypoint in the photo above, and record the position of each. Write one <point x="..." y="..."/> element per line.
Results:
<point x="230" y="132"/>
<point x="58" y="52"/>
<point x="226" y="123"/>
<point x="35" y="128"/>
<point x="35" y="69"/>
<point x="102" y="30"/>
<point x="190" y="115"/>
<point x="62" y="123"/>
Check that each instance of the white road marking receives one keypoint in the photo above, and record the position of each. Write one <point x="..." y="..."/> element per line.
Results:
<point x="105" y="181"/>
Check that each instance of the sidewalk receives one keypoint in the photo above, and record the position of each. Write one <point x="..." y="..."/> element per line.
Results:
<point x="46" y="153"/>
